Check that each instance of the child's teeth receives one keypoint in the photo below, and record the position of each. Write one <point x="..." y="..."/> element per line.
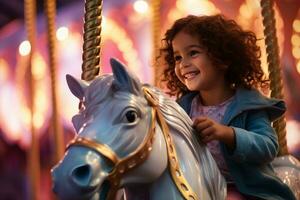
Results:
<point x="190" y="75"/>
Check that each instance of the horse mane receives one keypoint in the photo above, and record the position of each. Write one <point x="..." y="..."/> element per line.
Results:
<point x="178" y="119"/>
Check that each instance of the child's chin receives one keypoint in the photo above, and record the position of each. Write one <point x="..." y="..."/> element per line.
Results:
<point x="192" y="88"/>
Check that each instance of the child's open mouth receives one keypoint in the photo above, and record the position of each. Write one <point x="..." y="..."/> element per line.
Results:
<point x="190" y="75"/>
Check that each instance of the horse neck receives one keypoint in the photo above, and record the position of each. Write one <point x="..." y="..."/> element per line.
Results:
<point x="191" y="170"/>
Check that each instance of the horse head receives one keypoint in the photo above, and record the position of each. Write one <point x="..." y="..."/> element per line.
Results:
<point x="114" y="116"/>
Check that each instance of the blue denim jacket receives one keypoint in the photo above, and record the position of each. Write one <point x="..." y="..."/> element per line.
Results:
<point x="250" y="115"/>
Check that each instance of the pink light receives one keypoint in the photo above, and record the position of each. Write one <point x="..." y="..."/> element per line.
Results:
<point x="293" y="135"/>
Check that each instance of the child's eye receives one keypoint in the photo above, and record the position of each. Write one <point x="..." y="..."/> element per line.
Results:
<point x="177" y="58"/>
<point x="194" y="53"/>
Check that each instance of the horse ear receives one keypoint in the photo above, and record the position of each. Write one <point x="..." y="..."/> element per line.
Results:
<point x="124" y="80"/>
<point x="76" y="86"/>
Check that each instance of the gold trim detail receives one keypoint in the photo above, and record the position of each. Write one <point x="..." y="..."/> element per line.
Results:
<point x="100" y="148"/>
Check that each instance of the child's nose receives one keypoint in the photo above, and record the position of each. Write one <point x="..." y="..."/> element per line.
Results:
<point x="185" y="62"/>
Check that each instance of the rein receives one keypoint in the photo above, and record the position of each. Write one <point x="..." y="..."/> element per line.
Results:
<point x="121" y="166"/>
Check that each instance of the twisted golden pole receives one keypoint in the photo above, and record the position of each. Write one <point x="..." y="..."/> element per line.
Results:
<point x="155" y="5"/>
<point x="50" y="8"/>
<point x="92" y="39"/>
<point x="276" y="85"/>
<point x="33" y="154"/>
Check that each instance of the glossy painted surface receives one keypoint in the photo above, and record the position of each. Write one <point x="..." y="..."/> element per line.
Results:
<point x="288" y="169"/>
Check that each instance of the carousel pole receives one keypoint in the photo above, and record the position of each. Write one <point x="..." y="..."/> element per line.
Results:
<point x="50" y="8"/>
<point x="91" y="39"/>
<point x="276" y="85"/>
<point x="33" y="161"/>
<point x="155" y="5"/>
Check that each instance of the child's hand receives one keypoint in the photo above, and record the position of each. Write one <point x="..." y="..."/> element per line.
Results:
<point x="210" y="130"/>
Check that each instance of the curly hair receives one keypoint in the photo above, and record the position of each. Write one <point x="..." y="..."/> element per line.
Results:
<point x="225" y="43"/>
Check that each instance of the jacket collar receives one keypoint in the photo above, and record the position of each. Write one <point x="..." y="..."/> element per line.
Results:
<point x="244" y="100"/>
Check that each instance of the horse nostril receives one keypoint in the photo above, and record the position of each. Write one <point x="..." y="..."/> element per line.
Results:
<point x="82" y="175"/>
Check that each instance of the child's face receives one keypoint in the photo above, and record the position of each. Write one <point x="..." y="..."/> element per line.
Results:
<point x="193" y="66"/>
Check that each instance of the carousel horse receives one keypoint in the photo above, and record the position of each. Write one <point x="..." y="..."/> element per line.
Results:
<point x="132" y="136"/>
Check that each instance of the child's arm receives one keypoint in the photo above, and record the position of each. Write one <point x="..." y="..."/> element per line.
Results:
<point x="257" y="142"/>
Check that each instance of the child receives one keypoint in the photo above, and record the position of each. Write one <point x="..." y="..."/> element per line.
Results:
<point x="213" y="68"/>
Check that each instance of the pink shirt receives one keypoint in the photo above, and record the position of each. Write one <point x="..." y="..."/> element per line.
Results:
<point x="215" y="113"/>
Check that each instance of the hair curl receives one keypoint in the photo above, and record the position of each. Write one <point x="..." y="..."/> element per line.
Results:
<point x="226" y="44"/>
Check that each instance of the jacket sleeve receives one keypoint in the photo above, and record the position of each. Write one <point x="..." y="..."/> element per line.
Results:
<point x="258" y="142"/>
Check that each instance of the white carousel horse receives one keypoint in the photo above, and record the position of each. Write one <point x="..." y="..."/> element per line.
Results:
<point x="133" y="136"/>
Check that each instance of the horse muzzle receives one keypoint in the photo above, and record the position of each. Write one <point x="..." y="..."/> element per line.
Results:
<point x="78" y="179"/>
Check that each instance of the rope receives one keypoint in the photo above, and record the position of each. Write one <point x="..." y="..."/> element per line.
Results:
<point x="276" y="85"/>
<point x="155" y="35"/>
<point x="92" y="39"/>
<point x="33" y="157"/>
<point x="50" y="8"/>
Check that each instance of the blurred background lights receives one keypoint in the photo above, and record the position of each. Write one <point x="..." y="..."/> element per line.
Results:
<point x="25" y="48"/>
<point x="298" y="67"/>
<point x="296" y="52"/>
<point x="296" y="25"/>
<point x="62" y="33"/>
<point x="296" y="40"/>
<point x="3" y="70"/>
<point x="141" y="6"/>
<point x="38" y="67"/>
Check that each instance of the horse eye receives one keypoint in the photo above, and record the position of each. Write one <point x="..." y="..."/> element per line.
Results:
<point x="131" y="116"/>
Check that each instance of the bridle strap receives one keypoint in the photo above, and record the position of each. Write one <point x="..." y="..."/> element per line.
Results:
<point x="177" y="175"/>
<point x="100" y="148"/>
<point x="133" y="160"/>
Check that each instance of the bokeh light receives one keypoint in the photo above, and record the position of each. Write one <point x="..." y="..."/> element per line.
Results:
<point x="25" y="48"/>
<point x="62" y="33"/>
<point x="296" y="25"/>
<point x="141" y="6"/>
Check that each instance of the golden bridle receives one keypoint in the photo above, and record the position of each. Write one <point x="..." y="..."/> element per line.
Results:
<point x="123" y="165"/>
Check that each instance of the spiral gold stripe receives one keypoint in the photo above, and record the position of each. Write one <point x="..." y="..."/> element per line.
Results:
<point x="33" y="153"/>
<point x="58" y="132"/>
<point x="92" y="39"/>
<point x="276" y="85"/>
<point x="177" y="175"/>
<point x="155" y="36"/>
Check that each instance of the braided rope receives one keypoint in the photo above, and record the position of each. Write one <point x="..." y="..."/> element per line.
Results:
<point x="276" y="85"/>
<point x="155" y="35"/>
<point x="50" y="8"/>
<point x="33" y="157"/>
<point x="92" y="39"/>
